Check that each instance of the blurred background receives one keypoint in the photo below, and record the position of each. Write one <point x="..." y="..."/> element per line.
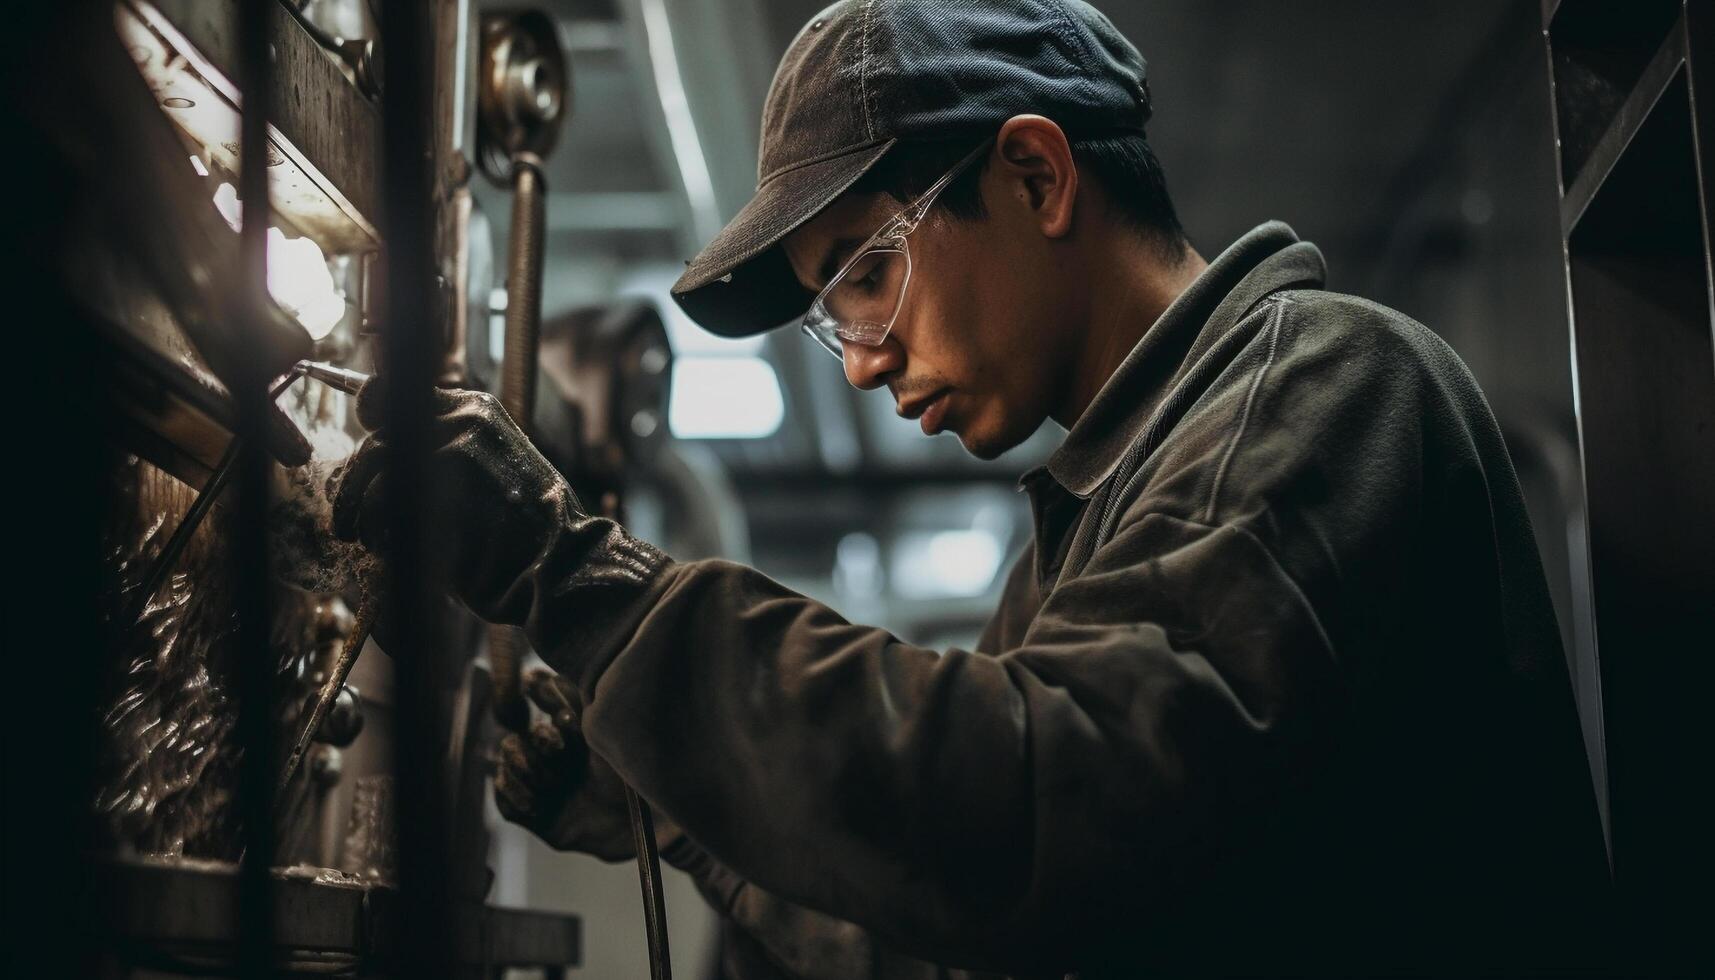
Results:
<point x="1412" y="143"/>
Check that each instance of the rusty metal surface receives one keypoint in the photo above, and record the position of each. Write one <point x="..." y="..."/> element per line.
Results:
<point x="167" y="762"/>
<point x="168" y="755"/>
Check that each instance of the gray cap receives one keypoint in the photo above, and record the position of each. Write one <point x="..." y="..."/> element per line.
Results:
<point x="865" y="74"/>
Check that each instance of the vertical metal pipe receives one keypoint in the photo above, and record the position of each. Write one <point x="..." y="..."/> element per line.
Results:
<point x="253" y="662"/>
<point x="524" y="255"/>
<point x="410" y="349"/>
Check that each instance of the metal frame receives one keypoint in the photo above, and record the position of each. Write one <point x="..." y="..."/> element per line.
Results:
<point x="1633" y="130"/>
<point x="410" y="360"/>
<point x="328" y="132"/>
<point x="176" y="914"/>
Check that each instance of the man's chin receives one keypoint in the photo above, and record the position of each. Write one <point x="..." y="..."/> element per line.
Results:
<point x="985" y="446"/>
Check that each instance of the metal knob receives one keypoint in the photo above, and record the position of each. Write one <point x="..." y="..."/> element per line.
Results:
<point x="533" y="91"/>
<point x="344" y="720"/>
<point x="523" y="90"/>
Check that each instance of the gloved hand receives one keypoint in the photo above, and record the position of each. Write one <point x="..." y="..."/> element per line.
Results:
<point x="550" y="783"/>
<point x="504" y="521"/>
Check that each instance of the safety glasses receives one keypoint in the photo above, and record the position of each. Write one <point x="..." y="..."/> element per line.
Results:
<point x="861" y="301"/>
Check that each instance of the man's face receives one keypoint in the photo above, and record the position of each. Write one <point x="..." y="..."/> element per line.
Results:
<point x="974" y="349"/>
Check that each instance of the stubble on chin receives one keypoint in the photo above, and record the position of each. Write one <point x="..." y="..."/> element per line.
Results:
<point x="982" y="448"/>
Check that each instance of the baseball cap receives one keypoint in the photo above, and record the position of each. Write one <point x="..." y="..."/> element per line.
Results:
<point x="864" y="75"/>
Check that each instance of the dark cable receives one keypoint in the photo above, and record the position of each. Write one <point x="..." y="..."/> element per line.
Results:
<point x="649" y="876"/>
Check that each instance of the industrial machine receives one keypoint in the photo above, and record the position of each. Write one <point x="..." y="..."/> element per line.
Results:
<point x="279" y="206"/>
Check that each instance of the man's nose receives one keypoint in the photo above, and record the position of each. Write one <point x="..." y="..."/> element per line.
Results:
<point x="868" y="367"/>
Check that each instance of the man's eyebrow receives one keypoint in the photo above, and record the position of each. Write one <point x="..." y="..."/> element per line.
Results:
<point x="837" y="253"/>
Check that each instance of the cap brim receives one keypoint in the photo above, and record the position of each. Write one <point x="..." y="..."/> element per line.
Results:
<point x="741" y="283"/>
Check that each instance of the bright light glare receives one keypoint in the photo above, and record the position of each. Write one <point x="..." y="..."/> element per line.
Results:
<point x="299" y="281"/>
<point x="226" y="202"/>
<point x="298" y="276"/>
<point x="945" y="564"/>
<point x="725" y="398"/>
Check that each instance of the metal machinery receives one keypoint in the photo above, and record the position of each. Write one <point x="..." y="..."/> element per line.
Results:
<point x="337" y="140"/>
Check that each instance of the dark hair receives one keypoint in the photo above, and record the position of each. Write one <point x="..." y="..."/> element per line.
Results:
<point x="1122" y="163"/>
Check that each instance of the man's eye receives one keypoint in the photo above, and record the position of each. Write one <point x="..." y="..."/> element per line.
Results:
<point x="867" y="273"/>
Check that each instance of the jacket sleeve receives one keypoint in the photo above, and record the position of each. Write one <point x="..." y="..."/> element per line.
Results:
<point x="796" y="941"/>
<point x="1019" y="601"/>
<point x="991" y="812"/>
<point x="811" y="945"/>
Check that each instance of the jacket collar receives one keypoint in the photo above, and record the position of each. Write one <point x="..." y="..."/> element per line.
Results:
<point x="1267" y="259"/>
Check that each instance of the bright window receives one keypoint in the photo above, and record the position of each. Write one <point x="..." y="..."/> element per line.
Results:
<point x="724" y="398"/>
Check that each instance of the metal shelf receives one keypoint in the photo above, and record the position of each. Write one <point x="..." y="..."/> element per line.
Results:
<point x="1623" y="129"/>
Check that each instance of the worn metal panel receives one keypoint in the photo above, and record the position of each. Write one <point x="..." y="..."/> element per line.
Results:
<point x="331" y="126"/>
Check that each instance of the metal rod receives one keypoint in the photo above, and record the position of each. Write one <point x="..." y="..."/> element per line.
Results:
<point x="254" y="661"/>
<point x="649" y="877"/>
<point x="338" y="378"/>
<point x="410" y="354"/>
<point x="188" y="524"/>
<point x="311" y="720"/>
<point x="524" y="255"/>
<point x="643" y="842"/>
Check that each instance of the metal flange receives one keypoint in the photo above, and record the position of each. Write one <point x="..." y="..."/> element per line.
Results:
<point x="523" y="93"/>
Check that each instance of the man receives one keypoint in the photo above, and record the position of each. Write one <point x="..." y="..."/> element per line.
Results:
<point x="1276" y="687"/>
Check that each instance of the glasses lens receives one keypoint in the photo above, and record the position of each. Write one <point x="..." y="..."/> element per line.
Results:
<point x="860" y="305"/>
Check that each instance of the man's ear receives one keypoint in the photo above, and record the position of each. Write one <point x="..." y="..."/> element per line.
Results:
<point x="1035" y="163"/>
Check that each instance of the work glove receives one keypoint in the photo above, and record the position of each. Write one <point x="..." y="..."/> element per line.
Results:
<point x="549" y="782"/>
<point x="503" y="521"/>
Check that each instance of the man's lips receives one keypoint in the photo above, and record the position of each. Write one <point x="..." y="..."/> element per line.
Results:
<point x="931" y="410"/>
<point x="935" y="413"/>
